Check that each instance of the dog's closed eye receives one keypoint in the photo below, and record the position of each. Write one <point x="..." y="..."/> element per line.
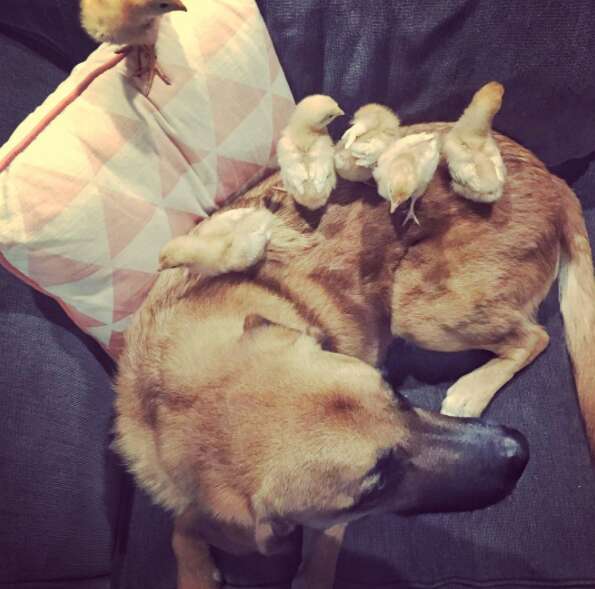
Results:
<point x="375" y="479"/>
<point x="381" y="467"/>
<point x="386" y="472"/>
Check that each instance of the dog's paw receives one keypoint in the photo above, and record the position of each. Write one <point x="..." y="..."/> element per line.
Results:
<point x="461" y="401"/>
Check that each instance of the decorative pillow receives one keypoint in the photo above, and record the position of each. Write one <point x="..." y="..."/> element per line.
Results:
<point x="98" y="178"/>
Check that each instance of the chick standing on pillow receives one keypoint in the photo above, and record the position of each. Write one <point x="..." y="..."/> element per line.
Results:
<point x="306" y="152"/>
<point x="132" y="23"/>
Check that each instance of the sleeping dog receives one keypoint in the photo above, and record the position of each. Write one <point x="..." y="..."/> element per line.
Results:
<point x="251" y="403"/>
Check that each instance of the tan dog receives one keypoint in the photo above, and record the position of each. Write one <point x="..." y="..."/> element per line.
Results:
<point x="249" y="404"/>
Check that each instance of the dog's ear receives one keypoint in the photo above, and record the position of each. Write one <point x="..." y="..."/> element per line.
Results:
<point x="317" y="334"/>
<point x="253" y="322"/>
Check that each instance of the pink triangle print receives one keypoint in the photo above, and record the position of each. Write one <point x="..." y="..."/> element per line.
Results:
<point x="233" y="174"/>
<point x="243" y="10"/>
<point x="181" y="222"/>
<point x="116" y="343"/>
<point x="282" y="109"/>
<point x="175" y="161"/>
<point x="193" y="155"/>
<point x="44" y="194"/>
<point x="171" y="171"/>
<point x="162" y="94"/>
<point x="105" y="175"/>
<point x="50" y="270"/>
<point x="274" y="65"/>
<point x="125" y="218"/>
<point x="102" y="134"/>
<point x="231" y="103"/>
<point x="130" y="289"/>
<point x="83" y="320"/>
<point x="223" y="27"/>
<point x="213" y="38"/>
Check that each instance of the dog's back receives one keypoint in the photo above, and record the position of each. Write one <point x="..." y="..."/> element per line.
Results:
<point x="464" y="270"/>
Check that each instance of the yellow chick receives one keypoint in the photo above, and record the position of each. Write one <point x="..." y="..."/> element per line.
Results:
<point x="133" y="24"/>
<point x="306" y="152"/>
<point x="232" y="241"/>
<point x="474" y="161"/>
<point x="347" y="167"/>
<point x="373" y="128"/>
<point x="405" y="169"/>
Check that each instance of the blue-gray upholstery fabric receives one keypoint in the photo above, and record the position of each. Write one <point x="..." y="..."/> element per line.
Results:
<point x="426" y="59"/>
<point x="66" y="519"/>
<point x="149" y="558"/>
<point x="26" y="80"/>
<point x="48" y="27"/>
<point x="59" y="484"/>
<point x="98" y="583"/>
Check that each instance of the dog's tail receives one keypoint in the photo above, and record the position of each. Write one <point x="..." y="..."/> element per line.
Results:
<point x="577" y="302"/>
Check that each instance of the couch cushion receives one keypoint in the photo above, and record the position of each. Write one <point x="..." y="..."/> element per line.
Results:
<point x="149" y="562"/>
<point x="98" y="583"/>
<point x="60" y="483"/>
<point x="29" y="76"/>
<point x="51" y="29"/>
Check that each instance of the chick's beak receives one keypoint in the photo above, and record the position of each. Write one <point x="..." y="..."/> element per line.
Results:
<point x="395" y="201"/>
<point x="177" y="5"/>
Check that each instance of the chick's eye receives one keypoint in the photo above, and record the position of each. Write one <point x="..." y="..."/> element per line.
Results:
<point x="163" y="5"/>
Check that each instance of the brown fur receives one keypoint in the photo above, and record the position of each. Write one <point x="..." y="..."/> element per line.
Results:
<point x="195" y="370"/>
<point x="577" y="296"/>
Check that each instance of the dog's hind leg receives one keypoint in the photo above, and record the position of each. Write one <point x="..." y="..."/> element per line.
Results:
<point x="472" y="393"/>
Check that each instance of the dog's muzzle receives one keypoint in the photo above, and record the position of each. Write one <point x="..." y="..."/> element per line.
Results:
<point x="455" y="464"/>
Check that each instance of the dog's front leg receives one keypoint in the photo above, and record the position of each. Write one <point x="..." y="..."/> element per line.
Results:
<point x="196" y="569"/>
<point x="319" y="558"/>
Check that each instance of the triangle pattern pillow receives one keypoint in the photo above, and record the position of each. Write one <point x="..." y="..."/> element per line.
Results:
<point x="99" y="177"/>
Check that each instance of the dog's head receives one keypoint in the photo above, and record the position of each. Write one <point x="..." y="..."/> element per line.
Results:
<point x="310" y="437"/>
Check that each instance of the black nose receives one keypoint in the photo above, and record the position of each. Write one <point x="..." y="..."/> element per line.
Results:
<point x="514" y="452"/>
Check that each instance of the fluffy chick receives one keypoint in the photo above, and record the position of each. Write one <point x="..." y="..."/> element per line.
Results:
<point x="347" y="167"/>
<point x="232" y="241"/>
<point x="373" y="128"/>
<point x="133" y="24"/>
<point x="476" y="167"/>
<point x="306" y="152"/>
<point x="405" y="169"/>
